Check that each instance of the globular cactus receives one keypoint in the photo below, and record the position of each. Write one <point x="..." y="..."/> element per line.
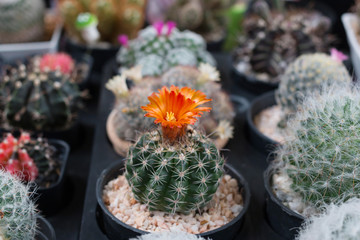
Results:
<point x="321" y="153"/>
<point x="177" y="169"/>
<point x="114" y="17"/>
<point x="17" y="212"/>
<point x="57" y="61"/>
<point x="337" y="222"/>
<point x="169" y="235"/>
<point x="162" y="46"/>
<point x="307" y="74"/>
<point x="36" y="100"/>
<point x="21" y="21"/>
<point x="275" y="39"/>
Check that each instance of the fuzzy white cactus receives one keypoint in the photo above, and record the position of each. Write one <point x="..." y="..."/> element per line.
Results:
<point x="337" y="223"/>
<point x="169" y="235"/>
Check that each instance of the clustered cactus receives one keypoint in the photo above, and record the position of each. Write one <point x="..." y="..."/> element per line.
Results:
<point x="176" y="169"/>
<point x="21" y="21"/>
<point x="274" y="39"/>
<point x="337" y="222"/>
<point x="307" y="74"/>
<point x="321" y="155"/>
<point x="160" y="47"/>
<point x="114" y="17"/>
<point x="38" y="100"/>
<point x="17" y="211"/>
<point x="31" y="159"/>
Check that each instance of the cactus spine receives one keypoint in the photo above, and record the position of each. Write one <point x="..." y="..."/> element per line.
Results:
<point x="177" y="170"/>
<point x="17" y="212"/>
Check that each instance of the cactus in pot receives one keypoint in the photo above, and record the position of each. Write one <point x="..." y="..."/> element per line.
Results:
<point x="273" y="39"/>
<point x="160" y="47"/>
<point x="38" y="100"/>
<point x="320" y="156"/>
<point x="21" y="21"/>
<point x="175" y="169"/>
<point x="17" y="211"/>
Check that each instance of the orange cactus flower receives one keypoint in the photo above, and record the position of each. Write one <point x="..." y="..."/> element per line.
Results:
<point x="174" y="109"/>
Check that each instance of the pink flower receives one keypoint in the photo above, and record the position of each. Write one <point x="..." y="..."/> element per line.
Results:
<point x="158" y="27"/>
<point x="337" y="55"/>
<point x="170" y="26"/>
<point x="123" y="40"/>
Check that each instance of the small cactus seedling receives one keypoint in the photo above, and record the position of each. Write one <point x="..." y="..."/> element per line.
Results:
<point x="160" y="47"/>
<point x="177" y="169"/>
<point x="36" y="100"/>
<point x="321" y="155"/>
<point x="57" y="61"/>
<point x="307" y="74"/>
<point x="17" y="211"/>
<point x="337" y="222"/>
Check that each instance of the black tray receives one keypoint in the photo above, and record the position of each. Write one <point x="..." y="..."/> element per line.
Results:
<point x="241" y="156"/>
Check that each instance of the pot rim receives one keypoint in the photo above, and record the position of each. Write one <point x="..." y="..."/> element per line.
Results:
<point x="228" y="168"/>
<point x="49" y="227"/>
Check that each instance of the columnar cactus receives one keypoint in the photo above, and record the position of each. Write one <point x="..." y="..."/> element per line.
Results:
<point x="321" y="155"/>
<point x="36" y="100"/>
<point x="160" y="47"/>
<point x="337" y="222"/>
<point x="307" y="74"/>
<point x="177" y="169"/>
<point x="114" y="17"/>
<point x="21" y="21"/>
<point x="274" y="39"/>
<point x="17" y="212"/>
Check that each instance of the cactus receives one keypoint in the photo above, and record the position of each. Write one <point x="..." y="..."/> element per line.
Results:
<point x="36" y="100"/>
<point x="274" y="39"/>
<point x="114" y="17"/>
<point x="61" y="61"/>
<point x="21" y="21"/>
<point x="169" y="235"/>
<point x="306" y="75"/>
<point x="337" y="222"/>
<point x="179" y="169"/>
<point x="321" y="154"/>
<point x="160" y="47"/>
<point x="17" y="212"/>
<point x="33" y="158"/>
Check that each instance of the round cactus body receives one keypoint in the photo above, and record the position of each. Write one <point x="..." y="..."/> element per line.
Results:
<point x="17" y="212"/>
<point x="307" y="74"/>
<point x="322" y="154"/>
<point x="21" y="21"/>
<point x="38" y="100"/>
<point x="174" y="178"/>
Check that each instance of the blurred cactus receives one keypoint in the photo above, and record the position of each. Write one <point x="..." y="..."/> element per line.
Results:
<point x="57" y="61"/>
<point x="21" y="21"/>
<point x="115" y="17"/>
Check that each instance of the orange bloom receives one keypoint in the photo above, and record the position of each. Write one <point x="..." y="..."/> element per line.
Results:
<point x="176" y="108"/>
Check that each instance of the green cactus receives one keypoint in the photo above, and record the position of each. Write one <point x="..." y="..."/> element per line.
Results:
<point x="174" y="179"/>
<point x="38" y="100"/>
<point x="321" y="154"/>
<point x="306" y="75"/>
<point x="17" y="212"/>
<point x="157" y="48"/>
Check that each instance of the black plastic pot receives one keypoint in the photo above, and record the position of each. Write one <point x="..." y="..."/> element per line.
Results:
<point x="281" y="219"/>
<point x="99" y="55"/>
<point x="114" y="229"/>
<point x="258" y="139"/>
<point x="45" y="231"/>
<point x="51" y="199"/>
<point x="241" y="105"/>
<point x="215" y="46"/>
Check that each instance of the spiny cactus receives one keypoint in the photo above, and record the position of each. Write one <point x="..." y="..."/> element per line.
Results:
<point x="57" y="61"/>
<point x="321" y="155"/>
<point x="337" y="222"/>
<point x="274" y="39"/>
<point x="114" y="17"/>
<point x="36" y="100"/>
<point x="17" y="212"/>
<point x="177" y="169"/>
<point x="169" y="235"/>
<point x="21" y="21"/>
<point x="306" y="75"/>
<point x="162" y="46"/>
